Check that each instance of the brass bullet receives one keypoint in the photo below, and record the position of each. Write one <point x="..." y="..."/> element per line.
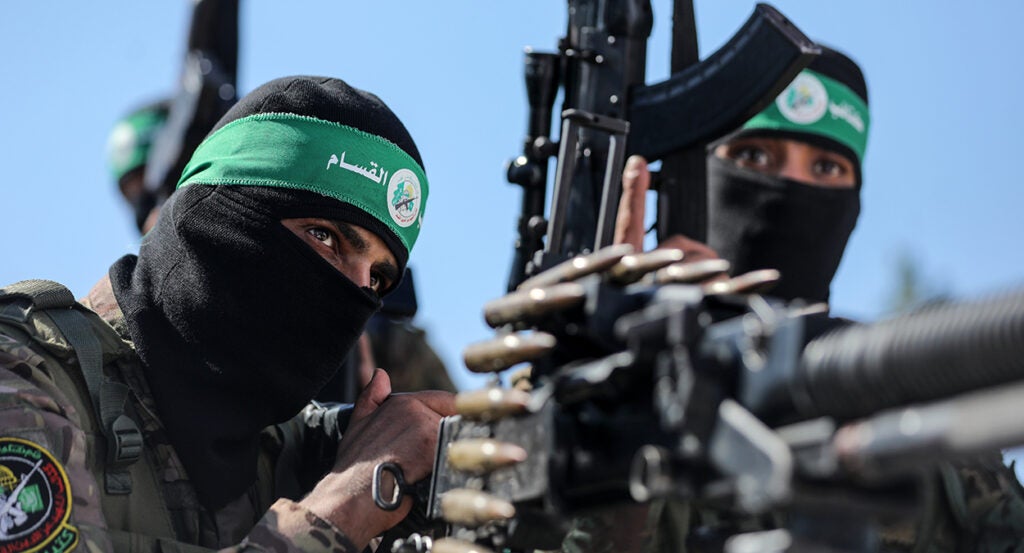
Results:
<point x="473" y="508"/>
<point x="505" y="351"/>
<point x="453" y="545"/>
<point x="632" y="267"/>
<point x="533" y="302"/>
<point x="491" y="403"/>
<point x="579" y="266"/>
<point x="748" y="283"/>
<point x="686" y="273"/>
<point x="480" y="456"/>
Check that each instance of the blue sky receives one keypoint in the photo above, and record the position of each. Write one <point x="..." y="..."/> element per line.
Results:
<point x="940" y="177"/>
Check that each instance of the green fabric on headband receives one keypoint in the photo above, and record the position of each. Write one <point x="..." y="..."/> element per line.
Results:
<point x="130" y="141"/>
<point x="814" y="103"/>
<point x="294" y="151"/>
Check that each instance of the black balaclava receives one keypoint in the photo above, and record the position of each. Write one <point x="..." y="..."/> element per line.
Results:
<point x="238" y="322"/>
<point x="762" y="222"/>
<point x="758" y="221"/>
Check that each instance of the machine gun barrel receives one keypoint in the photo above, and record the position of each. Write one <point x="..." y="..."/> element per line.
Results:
<point x="902" y="440"/>
<point x="926" y="355"/>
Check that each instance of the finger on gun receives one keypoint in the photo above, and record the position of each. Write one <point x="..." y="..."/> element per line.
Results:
<point x="579" y="266"/>
<point x="687" y="273"/>
<point x="454" y="545"/>
<point x="633" y="267"/>
<point x="748" y="283"/>
<point x="533" y="302"/>
<point x="491" y="403"/>
<point x="483" y="455"/>
<point x="501" y="353"/>
<point x="474" y="508"/>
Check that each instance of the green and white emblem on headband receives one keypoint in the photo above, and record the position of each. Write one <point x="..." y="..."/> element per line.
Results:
<point x="294" y="151"/>
<point x="814" y="103"/>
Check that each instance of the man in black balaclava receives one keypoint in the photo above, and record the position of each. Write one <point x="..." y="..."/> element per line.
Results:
<point x="292" y="218"/>
<point x="784" y="190"/>
<point x="128" y="150"/>
<point x="784" y="193"/>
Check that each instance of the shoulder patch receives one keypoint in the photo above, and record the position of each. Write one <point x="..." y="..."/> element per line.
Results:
<point x="35" y="500"/>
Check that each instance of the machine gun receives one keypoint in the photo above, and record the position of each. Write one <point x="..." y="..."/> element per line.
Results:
<point x="600" y="68"/>
<point x="649" y="384"/>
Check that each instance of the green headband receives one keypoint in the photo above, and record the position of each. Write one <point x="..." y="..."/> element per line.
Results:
<point x="129" y="143"/>
<point x="814" y="103"/>
<point x="293" y="151"/>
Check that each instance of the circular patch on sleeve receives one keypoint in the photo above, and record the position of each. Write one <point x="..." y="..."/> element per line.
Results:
<point x="35" y="500"/>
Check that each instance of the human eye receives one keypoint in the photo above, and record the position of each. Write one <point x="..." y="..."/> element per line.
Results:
<point x="379" y="282"/>
<point x="756" y="154"/>
<point x="323" y="234"/>
<point x="828" y="168"/>
<point x="833" y="170"/>
<point x="751" y="155"/>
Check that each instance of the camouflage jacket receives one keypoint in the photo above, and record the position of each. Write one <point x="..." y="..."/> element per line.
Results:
<point x="52" y="493"/>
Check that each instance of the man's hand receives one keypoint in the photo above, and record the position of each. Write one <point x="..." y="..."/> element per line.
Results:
<point x="400" y="428"/>
<point x="629" y="223"/>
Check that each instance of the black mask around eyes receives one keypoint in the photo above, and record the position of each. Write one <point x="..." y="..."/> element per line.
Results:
<point x="762" y="222"/>
<point x="238" y="321"/>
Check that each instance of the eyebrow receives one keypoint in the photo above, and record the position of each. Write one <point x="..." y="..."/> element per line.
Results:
<point x="387" y="269"/>
<point x="351" y="236"/>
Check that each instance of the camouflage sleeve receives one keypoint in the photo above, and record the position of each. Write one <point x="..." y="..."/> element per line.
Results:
<point x="988" y="503"/>
<point x="611" y="529"/>
<point x="49" y="501"/>
<point x="287" y="527"/>
<point x="977" y="505"/>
